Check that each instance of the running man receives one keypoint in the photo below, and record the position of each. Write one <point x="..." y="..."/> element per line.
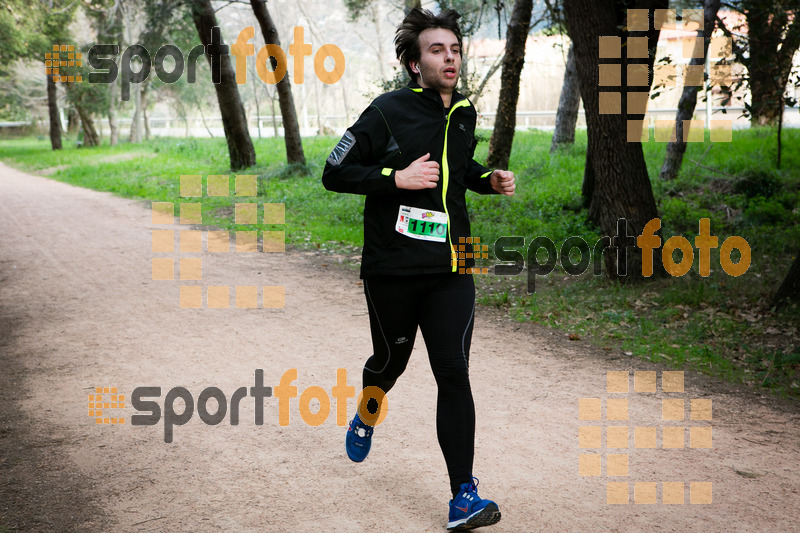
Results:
<point x="411" y="153"/>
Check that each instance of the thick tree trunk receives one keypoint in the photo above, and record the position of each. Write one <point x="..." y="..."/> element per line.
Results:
<point x="773" y="40"/>
<point x="55" y="119"/>
<point x="506" y="118"/>
<point x="789" y="291"/>
<point x="616" y="184"/>
<point x="686" y="106"/>
<point x="568" y="104"/>
<point x="291" y="128"/>
<point x="234" y="121"/>
<point x="90" y="135"/>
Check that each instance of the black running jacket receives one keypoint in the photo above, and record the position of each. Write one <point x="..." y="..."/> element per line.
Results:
<point x="410" y="232"/>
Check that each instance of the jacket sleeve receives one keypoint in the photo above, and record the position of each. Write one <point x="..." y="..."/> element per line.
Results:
<point x="477" y="176"/>
<point x="359" y="163"/>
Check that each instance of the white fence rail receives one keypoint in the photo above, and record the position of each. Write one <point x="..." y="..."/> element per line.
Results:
<point x="336" y="124"/>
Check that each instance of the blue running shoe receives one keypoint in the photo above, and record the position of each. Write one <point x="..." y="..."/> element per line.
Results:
<point x="359" y="439"/>
<point x="468" y="510"/>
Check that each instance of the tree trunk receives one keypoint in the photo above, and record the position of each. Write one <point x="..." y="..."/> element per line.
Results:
<point x="55" y="119"/>
<point x="146" y="119"/>
<point x="319" y="110"/>
<point x="789" y="291"/>
<point x="113" y="126"/>
<point x="234" y="121"/>
<point x="686" y="106"/>
<point x="116" y="35"/>
<point x="258" y="109"/>
<point x="616" y="185"/>
<point x="274" y="117"/>
<point x="205" y="124"/>
<point x="291" y="128"/>
<point x="136" y="122"/>
<point x="773" y="40"/>
<point x="375" y="18"/>
<point x="344" y="103"/>
<point x="90" y="135"/>
<point x="506" y="118"/>
<point x="568" y="104"/>
<point x="73" y="121"/>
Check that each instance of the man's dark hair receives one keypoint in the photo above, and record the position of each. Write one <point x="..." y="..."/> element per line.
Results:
<point x="406" y="40"/>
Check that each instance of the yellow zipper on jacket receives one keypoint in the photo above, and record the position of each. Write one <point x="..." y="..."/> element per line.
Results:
<point x="445" y="181"/>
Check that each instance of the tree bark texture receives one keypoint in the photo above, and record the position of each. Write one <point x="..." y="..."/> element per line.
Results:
<point x="90" y="135"/>
<point x="568" y="104"/>
<point x="234" y="121"/>
<point x="55" y="119"/>
<point x="115" y="34"/>
<point x="616" y="184"/>
<point x="774" y="38"/>
<point x="136" y="121"/>
<point x="113" y="126"/>
<point x="686" y="106"/>
<point x="145" y="118"/>
<point x="291" y="128"/>
<point x="506" y="118"/>
<point x="73" y="121"/>
<point x="789" y="291"/>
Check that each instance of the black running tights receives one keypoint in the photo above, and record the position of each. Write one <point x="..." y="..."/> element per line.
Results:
<point x="443" y="307"/>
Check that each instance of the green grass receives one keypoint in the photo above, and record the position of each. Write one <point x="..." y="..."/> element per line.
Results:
<point x="719" y="325"/>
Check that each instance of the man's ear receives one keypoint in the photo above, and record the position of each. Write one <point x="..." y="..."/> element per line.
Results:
<point x="414" y="67"/>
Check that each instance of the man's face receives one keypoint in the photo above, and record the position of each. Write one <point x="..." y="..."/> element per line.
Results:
<point x="440" y="60"/>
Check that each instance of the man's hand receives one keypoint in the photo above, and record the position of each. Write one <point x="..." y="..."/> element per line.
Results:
<point x="502" y="181"/>
<point x="421" y="174"/>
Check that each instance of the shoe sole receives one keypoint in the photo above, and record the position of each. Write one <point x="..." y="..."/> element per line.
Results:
<point x="487" y="516"/>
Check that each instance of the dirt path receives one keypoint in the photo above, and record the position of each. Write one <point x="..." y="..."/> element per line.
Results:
<point x="78" y="309"/>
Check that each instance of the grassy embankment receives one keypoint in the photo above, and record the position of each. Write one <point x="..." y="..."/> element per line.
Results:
<point x="719" y="325"/>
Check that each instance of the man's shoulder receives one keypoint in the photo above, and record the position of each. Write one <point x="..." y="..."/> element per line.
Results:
<point x="458" y="97"/>
<point x="399" y="96"/>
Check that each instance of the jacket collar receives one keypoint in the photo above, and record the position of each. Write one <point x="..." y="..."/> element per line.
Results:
<point x="433" y="93"/>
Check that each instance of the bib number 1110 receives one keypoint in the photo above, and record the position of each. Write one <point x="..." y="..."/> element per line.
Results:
<point x="427" y="228"/>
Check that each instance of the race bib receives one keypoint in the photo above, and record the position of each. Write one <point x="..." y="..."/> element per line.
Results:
<point x="422" y="224"/>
